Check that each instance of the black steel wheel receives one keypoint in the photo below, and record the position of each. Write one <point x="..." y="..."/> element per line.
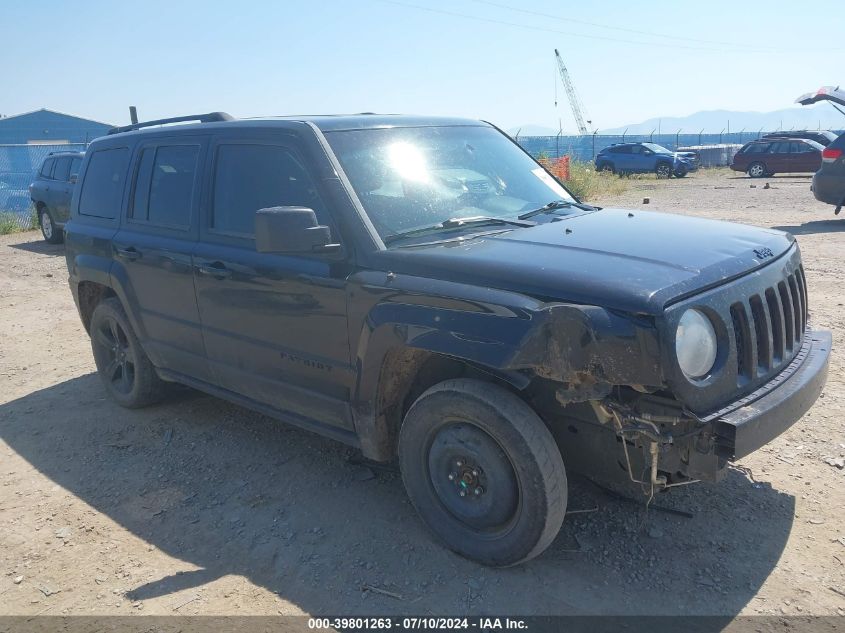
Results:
<point x="483" y="472"/>
<point x="473" y="477"/>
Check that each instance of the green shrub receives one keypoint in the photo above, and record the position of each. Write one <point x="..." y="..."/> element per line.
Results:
<point x="16" y="223"/>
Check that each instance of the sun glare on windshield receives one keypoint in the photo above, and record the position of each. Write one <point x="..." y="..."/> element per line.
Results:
<point x="408" y="162"/>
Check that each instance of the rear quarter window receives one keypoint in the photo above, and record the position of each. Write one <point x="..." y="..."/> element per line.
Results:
<point x="62" y="170"/>
<point x="47" y="167"/>
<point x="102" y="185"/>
<point x="75" y="164"/>
<point x="757" y="148"/>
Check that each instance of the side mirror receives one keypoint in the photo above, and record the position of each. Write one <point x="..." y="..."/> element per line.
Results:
<point x="291" y="230"/>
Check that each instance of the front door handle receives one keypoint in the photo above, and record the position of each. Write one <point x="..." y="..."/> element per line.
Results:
<point x="130" y="253"/>
<point x="216" y="270"/>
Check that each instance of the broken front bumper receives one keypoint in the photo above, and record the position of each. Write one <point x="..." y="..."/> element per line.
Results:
<point x="749" y="423"/>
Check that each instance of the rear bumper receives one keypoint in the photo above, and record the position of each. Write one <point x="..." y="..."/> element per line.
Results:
<point x="829" y="188"/>
<point x="764" y="414"/>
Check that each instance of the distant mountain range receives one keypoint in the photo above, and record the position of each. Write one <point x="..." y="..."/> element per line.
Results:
<point x="715" y="121"/>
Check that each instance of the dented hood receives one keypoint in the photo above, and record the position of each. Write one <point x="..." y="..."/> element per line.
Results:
<point x="636" y="261"/>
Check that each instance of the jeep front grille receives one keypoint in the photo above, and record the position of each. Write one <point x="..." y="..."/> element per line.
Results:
<point x="769" y="327"/>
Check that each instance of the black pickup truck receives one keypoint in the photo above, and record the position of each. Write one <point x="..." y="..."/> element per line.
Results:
<point x="422" y="289"/>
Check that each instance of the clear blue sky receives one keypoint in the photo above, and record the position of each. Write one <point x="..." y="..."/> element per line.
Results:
<point x="323" y="56"/>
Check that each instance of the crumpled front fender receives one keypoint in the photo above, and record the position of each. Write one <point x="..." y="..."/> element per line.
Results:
<point x="589" y="349"/>
<point x="585" y="349"/>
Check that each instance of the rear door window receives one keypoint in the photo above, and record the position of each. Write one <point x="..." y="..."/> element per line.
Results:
<point x="250" y="177"/>
<point x="165" y="185"/>
<point x="102" y="187"/>
<point x="62" y="169"/>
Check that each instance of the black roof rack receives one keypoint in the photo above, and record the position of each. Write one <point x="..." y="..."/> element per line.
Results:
<point x="210" y="117"/>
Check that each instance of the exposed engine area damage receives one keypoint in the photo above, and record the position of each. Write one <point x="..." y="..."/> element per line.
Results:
<point x="648" y="432"/>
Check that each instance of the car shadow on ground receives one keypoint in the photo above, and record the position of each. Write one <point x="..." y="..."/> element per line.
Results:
<point x="235" y="493"/>
<point x="816" y="226"/>
<point x="41" y="247"/>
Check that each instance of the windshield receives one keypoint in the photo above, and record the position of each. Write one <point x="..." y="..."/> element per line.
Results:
<point x="410" y="178"/>
<point x="657" y="149"/>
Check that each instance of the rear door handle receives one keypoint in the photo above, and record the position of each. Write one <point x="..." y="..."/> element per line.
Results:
<point x="217" y="270"/>
<point x="130" y="253"/>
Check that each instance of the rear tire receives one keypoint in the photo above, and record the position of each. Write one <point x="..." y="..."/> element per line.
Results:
<point x="483" y="472"/>
<point x="757" y="170"/>
<point x="126" y="372"/>
<point x="52" y="234"/>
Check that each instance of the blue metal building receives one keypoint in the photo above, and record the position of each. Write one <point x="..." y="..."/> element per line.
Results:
<point x="48" y="127"/>
<point x="26" y="140"/>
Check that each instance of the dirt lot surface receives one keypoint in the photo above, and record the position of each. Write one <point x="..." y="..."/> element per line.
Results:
<point x="196" y="506"/>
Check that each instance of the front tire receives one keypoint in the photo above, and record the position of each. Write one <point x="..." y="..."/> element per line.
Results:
<point x="124" y="368"/>
<point x="483" y="472"/>
<point x="757" y="170"/>
<point x="664" y="170"/>
<point x="52" y="234"/>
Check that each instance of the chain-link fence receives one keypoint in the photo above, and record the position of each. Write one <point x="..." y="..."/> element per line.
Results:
<point x="585" y="148"/>
<point x="18" y="167"/>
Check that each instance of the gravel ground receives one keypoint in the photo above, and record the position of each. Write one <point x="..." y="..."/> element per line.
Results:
<point x="196" y="506"/>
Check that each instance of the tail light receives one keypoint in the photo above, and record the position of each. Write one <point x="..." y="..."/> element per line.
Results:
<point x="830" y="155"/>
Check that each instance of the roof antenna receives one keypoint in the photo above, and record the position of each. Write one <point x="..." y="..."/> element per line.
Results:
<point x="133" y="114"/>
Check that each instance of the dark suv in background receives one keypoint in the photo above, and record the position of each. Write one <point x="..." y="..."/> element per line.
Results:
<point x="822" y="137"/>
<point x="769" y="156"/>
<point x="51" y="192"/>
<point x="641" y="158"/>
<point x="422" y="289"/>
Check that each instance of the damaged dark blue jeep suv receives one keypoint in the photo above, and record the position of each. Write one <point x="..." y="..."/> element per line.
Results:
<point x="422" y="289"/>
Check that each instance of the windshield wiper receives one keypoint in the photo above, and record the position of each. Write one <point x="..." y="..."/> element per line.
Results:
<point x="557" y="204"/>
<point x="456" y="223"/>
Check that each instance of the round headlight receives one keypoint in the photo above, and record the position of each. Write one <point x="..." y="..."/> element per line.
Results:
<point x="695" y="344"/>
